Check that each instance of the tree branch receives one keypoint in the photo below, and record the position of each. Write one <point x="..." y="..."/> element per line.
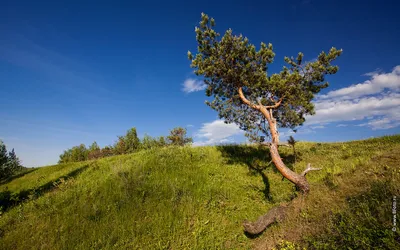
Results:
<point x="308" y="169"/>
<point x="244" y="99"/>
<point x="277" y="104"/>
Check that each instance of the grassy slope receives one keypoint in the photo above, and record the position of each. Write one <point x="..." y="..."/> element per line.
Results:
<point x="197" y="198"/>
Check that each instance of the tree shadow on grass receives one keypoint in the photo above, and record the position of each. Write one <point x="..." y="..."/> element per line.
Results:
<point x="257" y="159"/>
<point x="11" y="178"/>
<point x="9" y="200"/>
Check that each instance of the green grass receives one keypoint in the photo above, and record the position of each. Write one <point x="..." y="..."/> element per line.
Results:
<point x="38" y="177"/>
<point x="197" y="198"/>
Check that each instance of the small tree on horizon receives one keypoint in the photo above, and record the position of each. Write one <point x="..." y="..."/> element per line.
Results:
<point x="94" y="147"/>
<point x="132" y="141"/>
<point x="94" y="151"/>
<point x="178" y="137"/>
<point x="161" y="141"/>
<point x="128" y="143"/>
<point x="148" y="142"/>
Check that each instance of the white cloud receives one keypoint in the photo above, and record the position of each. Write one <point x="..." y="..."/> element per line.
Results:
<point x="376" y="100"/>
<point x="216" y="132"/>
<point x="192" y="85"/>
<point x="317" y="127"/>
<point x="383" y="123"/>
<point x="378" y="83"/>
<point x="341" y="125"/>
<point x="189" y="126"/>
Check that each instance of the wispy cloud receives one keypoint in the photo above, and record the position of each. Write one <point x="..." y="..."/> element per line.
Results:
<point x="191" y="85"/>
<point x="317" y="127"/>
<point x="61" y="71"/>
<point x="384" y="123"/>
<point x="216" y="132"/>
<point x="376" y="100"/>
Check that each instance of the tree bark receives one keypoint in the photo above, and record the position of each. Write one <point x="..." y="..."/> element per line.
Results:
<point x="277" y="213"/>
<point x="299" y="180"/>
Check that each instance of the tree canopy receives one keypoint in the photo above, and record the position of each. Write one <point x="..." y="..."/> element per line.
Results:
<point x="235" y="73"/>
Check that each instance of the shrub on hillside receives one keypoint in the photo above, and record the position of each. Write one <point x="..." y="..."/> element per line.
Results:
<point x="126" y="144"/>
<point x="75" y="154"/>
<point x="178" y="137"/>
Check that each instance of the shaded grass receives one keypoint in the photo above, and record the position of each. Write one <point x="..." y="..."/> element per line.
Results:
<point x="21" y="173"/>
<point x="197" y="198"/>
<point x="38" y="177"/>
<point x="9" y="199"/>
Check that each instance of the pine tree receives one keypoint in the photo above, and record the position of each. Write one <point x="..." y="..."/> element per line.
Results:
<point x="235" y="73"/>
<point x="13" y="162"/>
<point x="178" y="137"/>
<point x="9" y="162"/>
<point x="3" y="153"/>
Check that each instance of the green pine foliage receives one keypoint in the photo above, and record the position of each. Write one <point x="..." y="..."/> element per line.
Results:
<point x="230" y="64"/>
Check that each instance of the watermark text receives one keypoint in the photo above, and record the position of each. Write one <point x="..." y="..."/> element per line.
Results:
<point x="394" y="208"/>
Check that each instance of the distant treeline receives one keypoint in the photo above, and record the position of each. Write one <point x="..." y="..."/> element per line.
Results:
<point x="126" y="144"/>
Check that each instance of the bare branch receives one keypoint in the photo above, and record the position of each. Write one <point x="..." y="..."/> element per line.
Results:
<point x="277" y="104"/>
<point x="308" y="169"/>
<point x="244" y="99"/>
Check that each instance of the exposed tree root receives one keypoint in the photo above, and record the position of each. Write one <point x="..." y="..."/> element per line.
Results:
<point x="276" y="214"/>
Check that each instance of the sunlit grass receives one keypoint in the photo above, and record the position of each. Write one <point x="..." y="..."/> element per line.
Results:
<point x="189" y="198"/>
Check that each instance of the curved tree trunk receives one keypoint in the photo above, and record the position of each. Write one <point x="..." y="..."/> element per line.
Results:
<point x="299" y="180"/>
<point x="277" y="213"/>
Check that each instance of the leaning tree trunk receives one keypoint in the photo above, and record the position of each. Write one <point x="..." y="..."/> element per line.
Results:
<point x="277" y="213"/>
<point x="299" y="180"/>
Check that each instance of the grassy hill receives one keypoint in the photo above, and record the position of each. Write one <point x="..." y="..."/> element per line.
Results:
<point x="197" y="198"/>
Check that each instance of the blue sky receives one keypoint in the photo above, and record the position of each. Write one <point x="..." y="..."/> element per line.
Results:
<point x="76" y="72"/>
